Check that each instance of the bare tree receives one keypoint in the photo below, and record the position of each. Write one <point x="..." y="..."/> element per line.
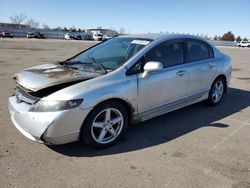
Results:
<point x="45" y="26"/>
<point x="122" y="30"/>
<point x="18" y="18"/>
<point x="32" y="23"/>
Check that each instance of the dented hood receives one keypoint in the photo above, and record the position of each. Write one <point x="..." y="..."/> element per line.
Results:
<point x="43" y="76"/>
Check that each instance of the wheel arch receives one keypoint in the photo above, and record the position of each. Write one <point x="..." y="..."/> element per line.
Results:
<point x="85" y="128"/>
<point x="129" y="108"/>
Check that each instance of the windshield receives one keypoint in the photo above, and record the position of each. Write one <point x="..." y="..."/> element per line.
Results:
<point x="111" y="54"/>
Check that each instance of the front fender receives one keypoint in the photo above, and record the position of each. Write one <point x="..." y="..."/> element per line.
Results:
<point x="125" y="90"/>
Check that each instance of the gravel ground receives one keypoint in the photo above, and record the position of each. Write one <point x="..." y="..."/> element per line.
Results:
<point x="198" y="146"/>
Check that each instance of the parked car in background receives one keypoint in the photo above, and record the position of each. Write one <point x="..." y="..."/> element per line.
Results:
<point x="77" y="37"/>
<point x="96" y="94"/>
<point x="30" y="35"/>
<point x="243" y="44"/>
<point x="106" y="37"/>
<point x="97" y="36"/>
<point x="6" y="34"/>
<point x="69" y="36"/>
<point x="87" y="37"/>
<point x="37" y="35"/>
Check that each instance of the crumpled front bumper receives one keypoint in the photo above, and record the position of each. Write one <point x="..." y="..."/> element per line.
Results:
<point x="47" y="127"/>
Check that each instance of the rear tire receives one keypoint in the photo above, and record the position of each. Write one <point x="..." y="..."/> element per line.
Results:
<point x="105" y="125"/>
<point x="216" y="92"/>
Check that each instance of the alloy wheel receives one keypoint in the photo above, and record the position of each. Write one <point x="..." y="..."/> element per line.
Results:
<point x="107" y="125"/>
<point x="217" y="91"/>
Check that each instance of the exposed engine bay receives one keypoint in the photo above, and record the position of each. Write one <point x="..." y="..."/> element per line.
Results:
<point x="40" y="81"/>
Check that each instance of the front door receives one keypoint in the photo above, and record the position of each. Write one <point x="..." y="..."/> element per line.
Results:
<point x="167" y="88"/>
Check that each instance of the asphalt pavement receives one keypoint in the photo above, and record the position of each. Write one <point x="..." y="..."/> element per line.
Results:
<point x="198" y="146"/>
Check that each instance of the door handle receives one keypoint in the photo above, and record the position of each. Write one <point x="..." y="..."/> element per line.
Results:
<point x="211" y="65"/>
<point x="181" y="72"/>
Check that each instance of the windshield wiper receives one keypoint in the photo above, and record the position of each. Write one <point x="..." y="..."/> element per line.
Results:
<point x="69" y="63"/>
<point x="99" y="64"/>
<point x="72" y="62"/>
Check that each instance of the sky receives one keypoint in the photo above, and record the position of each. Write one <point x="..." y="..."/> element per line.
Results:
<point x="210" y="17"/>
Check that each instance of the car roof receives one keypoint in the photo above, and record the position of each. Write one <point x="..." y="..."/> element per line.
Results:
<point x="156" y="36"/>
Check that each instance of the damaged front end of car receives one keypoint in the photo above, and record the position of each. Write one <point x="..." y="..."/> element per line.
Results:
<point x="32" y="114"/>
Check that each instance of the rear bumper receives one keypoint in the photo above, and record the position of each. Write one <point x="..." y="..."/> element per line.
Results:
<point x="47" y="127"/>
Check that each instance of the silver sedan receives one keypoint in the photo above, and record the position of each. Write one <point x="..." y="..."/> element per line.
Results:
<point x="94" y="95"/>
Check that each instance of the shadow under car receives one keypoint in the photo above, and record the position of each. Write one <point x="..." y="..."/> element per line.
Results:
<point x="167" y="127"/>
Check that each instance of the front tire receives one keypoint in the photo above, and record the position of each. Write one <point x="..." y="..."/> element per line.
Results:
<point x="105" y="125"/>
<point x="216" y="91"/>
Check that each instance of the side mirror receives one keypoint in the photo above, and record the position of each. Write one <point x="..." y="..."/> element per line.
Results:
<point x="151" y="66"/>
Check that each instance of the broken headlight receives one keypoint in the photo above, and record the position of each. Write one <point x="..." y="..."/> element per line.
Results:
<point x="55" y="105"/>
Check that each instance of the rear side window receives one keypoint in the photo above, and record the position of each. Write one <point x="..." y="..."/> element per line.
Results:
<point x="168" y="54"/>
<point x="197" y="50"/>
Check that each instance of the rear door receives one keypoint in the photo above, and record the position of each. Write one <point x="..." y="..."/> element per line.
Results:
<point x="201" y="68"/>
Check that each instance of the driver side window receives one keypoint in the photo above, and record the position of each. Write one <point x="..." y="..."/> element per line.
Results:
<point x="168" y="54"/>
